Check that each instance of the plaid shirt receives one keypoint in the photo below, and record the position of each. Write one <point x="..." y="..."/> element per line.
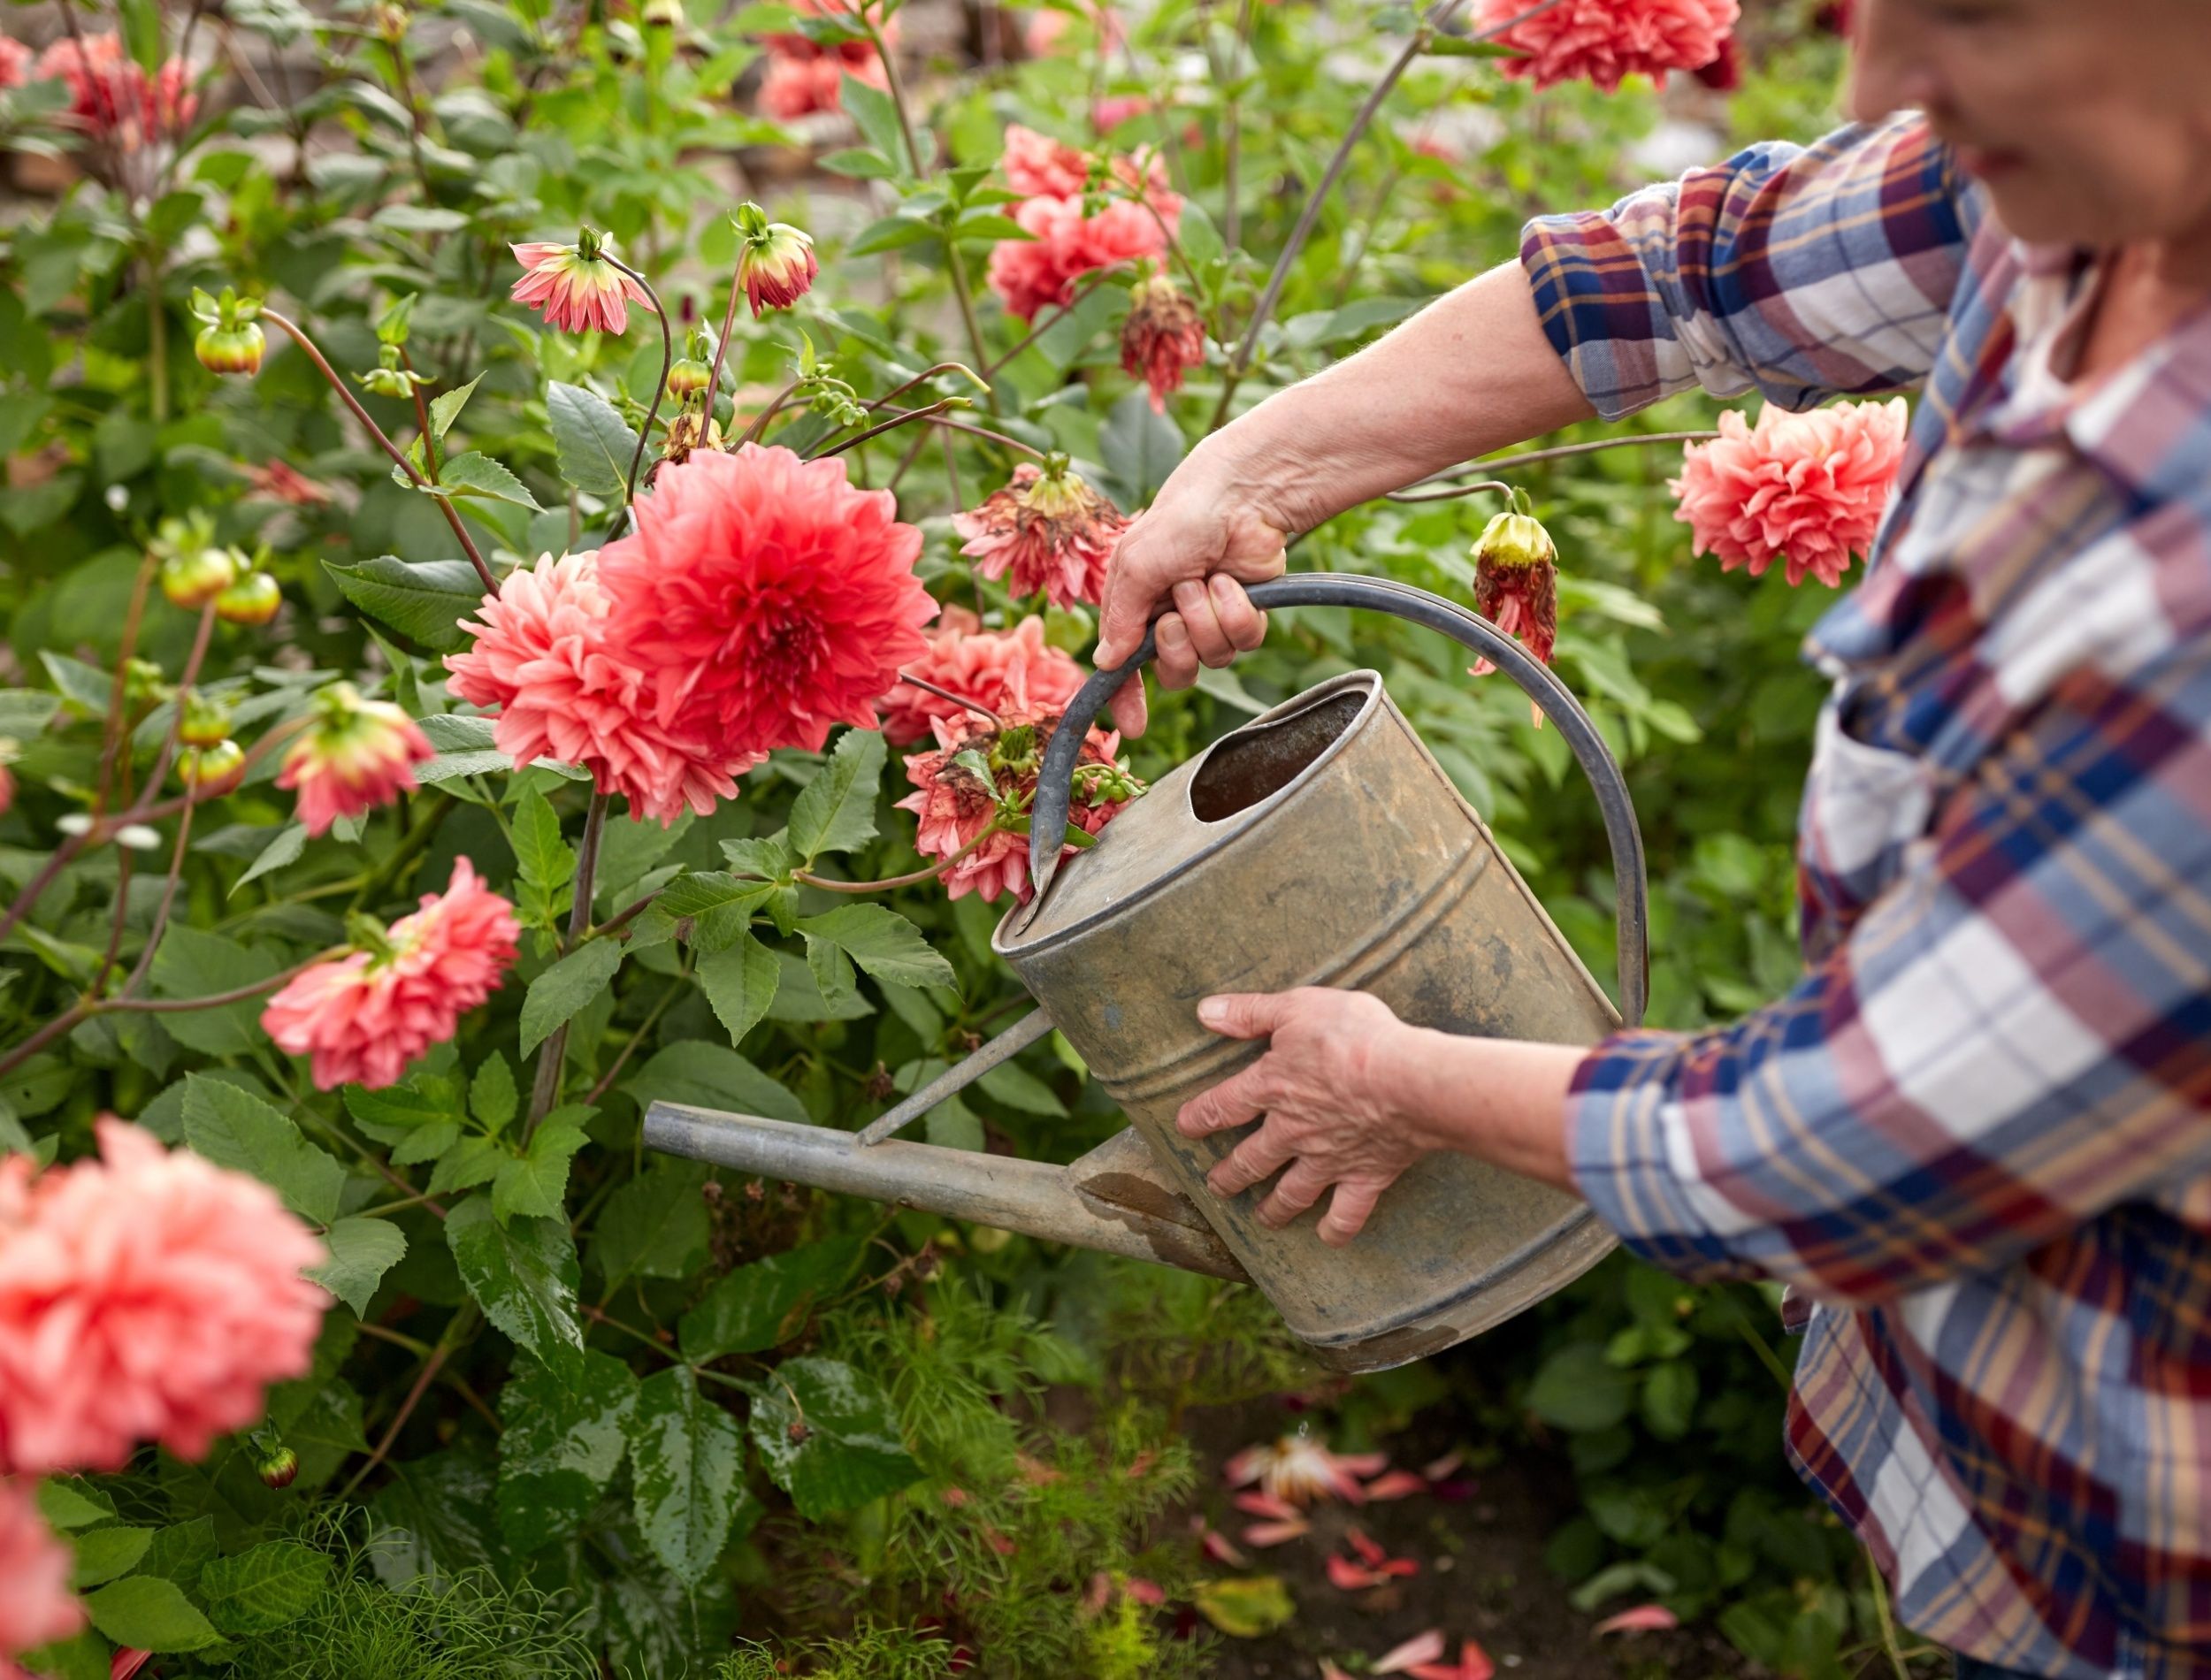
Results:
<point x="1976" y="1132"/>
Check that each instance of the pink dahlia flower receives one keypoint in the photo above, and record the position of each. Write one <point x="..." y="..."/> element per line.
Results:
<point x="575" y="287"/>
<point x="15" y="62"/>
<point x="36" y="1606"/>
<point x="543" y="657"/>
<point x="795" y="88"/>
<point x="1038" y="164"/>
<point x="766" y="598"/>
<point x="1049" y="528"/>
<point x="853" y="52"/>
<point x="1013" y="670"/>
<point x="1162" y="339"/>
<point x="146" y="1295"/>
<point x="776" y="263"/>
<point x="1807" y="488"/>
<point x="1067" y="244"/>
<point x="112" y="96"/>
<point x="280" y="481"/>
<point x="7" y="789"/>
<point x="956" y="808"/>
<point x="365" y="1016"/>
<point x="353" y="756"/>
<point x="1603" y="40"/>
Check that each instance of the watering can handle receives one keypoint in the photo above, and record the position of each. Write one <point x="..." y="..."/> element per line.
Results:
<point x="1469" y="630"/>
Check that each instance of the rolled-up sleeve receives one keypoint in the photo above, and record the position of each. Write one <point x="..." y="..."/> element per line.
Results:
<point x="2014" y="1039"/>
<point x="1802" y="273"/>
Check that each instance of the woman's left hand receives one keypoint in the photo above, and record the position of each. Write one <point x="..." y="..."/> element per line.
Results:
<point x="1324" y="1089"/>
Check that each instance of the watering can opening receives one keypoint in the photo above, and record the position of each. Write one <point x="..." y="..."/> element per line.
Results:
<point x="1263" y="758"/>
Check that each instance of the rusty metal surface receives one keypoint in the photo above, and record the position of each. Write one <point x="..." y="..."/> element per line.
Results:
<point x="1355" y="863"/>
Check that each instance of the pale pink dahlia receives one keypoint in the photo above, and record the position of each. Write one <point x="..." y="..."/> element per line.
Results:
<point x="766" y="598"/>
<point x="795" y="88"/>
<point x="1299" y="1469"/>
<point x="148" y="1295"/>
<point x="542" y="657"/>
<point x="1602" y="41"/>
<point x="575" y="287"/>
<point x="1037" y="164"/>
<point x="354" y="755"/>
<point x="1067" y="244"/>
<point x="1162" y="339"/>
<point x="36" y="1606"/>
<point x="1049" y="528"/>
<point x="365" y="1016"/>
<point x="1807" y="488"/>
<point x="956" y="807"/>
<point x="1005" y="671"/>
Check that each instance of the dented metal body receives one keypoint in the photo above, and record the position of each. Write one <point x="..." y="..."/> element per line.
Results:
<point x="1320" y="844"/>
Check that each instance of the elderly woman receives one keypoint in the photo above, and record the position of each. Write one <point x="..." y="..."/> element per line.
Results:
<point x="1974" y="1134"/>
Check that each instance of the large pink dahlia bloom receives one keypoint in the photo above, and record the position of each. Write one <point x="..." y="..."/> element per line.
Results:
<point x="1067" y="244"/>
<point x="364" y="1017"/>
<point x="1602" y="41"/>
<point x="1037" y="164"/>
<point x="1049" y="528"/>
<point x="146" y="1295"/>
<point x="36" y="1606"/>
<point x="543" y="657"/>
<point x="766" y="598"/>
<point x="1807" y="488"/>
<point x="1005" y="671"/>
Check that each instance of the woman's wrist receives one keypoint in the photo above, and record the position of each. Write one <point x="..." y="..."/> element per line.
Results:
<point x="1502" y="1100"/>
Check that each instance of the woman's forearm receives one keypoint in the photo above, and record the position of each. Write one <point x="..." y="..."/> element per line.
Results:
<point x="1500" y="1099"/>
<point x="1471" y="373"/>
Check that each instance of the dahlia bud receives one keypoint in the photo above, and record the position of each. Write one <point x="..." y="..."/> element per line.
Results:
<point x="230" y="338"/>
<point x="1162" y="337"/>
<point x="204" y="722"/>
<point x="775" y="261"/>
<point x="253" y="599"/>
<point x="688" y="377"/>
<point x="388" y="378"/>
<point x="278" y="1468"/>
<point x="193" y="578"/>
<point x="210" y="770"/>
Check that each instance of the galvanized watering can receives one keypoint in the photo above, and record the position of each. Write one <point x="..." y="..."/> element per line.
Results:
<point x="1319" y="844"/>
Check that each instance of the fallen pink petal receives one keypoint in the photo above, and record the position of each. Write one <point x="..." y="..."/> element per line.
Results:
<point x="1425" y="1647"/>
<point x="1644" y="1618"/>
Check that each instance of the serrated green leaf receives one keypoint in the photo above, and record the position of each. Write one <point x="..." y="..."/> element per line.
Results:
<point x="1138" y="447"/>
<point x="523" y="1274"/>
<point x="179" y="1552"/>
<point x="361" y="1252"/>
<point x="236" y="1129"/>
<point x="881" y="942"/>
<point x="710" y="909"/>
<point x="564" y="1437"/>
<point x="765" y="1303"/>
<point x="493" y="1097"/>
<point x="556" y="996"/>
<point x="191" y="963"/>
<point x="877" y="116"/>
<point x="150" y="1613"/>
<point x="478" y="475"/>
<point x="828" y="1436"/>
<point x="397" y="1113"/>
<point x="685" y="1453"/>
<point x="263" y="1589"/>
<point x="701" y="1075"/>
<point x="654" y="1225"/>
<point x="590" y="440"/>
<point x="740" y="984"/>
<point x="466" y="1164"/>
<point x="423" y="600"/>
<point x="891" y="233"/>
<point x="544" y="860"/>
<point x="67" y="1504"/>
<point x="107" y="1552"/>
<point x="836" y="811"/>
<point x="446" y="408"/>
<point x="860" y="163"/>
<point x="283" y="849"/>
<point x="534" y="1183"/>
<point x="767" y="856"/>
<point x="1019" y="1088"/>
<point x="85" y="687"/>
<point x="26" y="712"/>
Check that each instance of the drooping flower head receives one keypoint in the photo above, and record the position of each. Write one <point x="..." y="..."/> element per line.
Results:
<point x="765" y="598"/>
<point x="146" y="1295"/>
<point x="1807" y="488"/>
<point x="576" y="286"/>
<point x="354" y="755"/>
<point x="1162" y="339"/>
<point x="544" y="658"/>
<point x="775" y="261"/>
<point x="1005" y="671"/>
<point x="1516" y="584"/>
<point x="36" y="1606"/>
<point x="1603" y="40"/>
<point x="1299" y="1469"/>
<point x="1050" y="530"/>
<point x="983" y="774"/>
<point x="364" y="1017"/>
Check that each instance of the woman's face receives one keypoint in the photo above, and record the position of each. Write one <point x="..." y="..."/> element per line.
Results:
<point x="2089" y="120"/>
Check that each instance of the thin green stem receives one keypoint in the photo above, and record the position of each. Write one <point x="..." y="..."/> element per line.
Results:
<point x="660" y="389"/>
<point x="891" y="424"/>
<point x="544" y="1089"/>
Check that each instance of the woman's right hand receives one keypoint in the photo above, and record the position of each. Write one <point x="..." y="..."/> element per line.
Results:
<point x="1192" y="551"/>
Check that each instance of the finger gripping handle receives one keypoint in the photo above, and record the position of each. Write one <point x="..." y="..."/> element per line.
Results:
<point x="1055" y="777"/>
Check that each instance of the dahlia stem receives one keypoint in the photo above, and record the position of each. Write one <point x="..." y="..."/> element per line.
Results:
<point x="984" y="432"/>
<point x="119" y="690"/>
<point x="421" y="420"/>
<point x="216" y="1000"/>
<point x="1232" y="137"/>
<point x="1437" y="15"/>
<point x="168" y="902"/>
<point x="981" y="384"/>
<point x="456" y="1330"/>
<point x="975" y="707"/>
<point x="759" y="420"/>
<point x="330" y="375"/>
<point x="1557" y="452"/>
<point x="720" y="344"/>
<point x="660" y="390"/>
<point x="622" y="1060"/>
<point x="544" y="1089"/>
<point x="913" y="879"/>
<point x="891" y="424"/>
<point x="1098" y="278"/>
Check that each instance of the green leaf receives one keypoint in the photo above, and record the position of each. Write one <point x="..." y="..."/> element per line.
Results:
<point x="860" y="164"/>
<point x="766" y="1303"/>
<point x="698" y="1074"/>
<point x="535" y="1184"/>
<point x="982" y="226"/>
<point x="767" y="856"/>
<point x="493" y="1097"/>
<point x="654" y="1225"/>
<point x="424" y="1106"/>
<point x="544" y="860"/>
<point x="444" y="410"/>
<point x="107" y="1552"/>
<point x="290" y="841"/>
<point x="523" y="1274"/>
<point x="1245" y="1606"/>
<point x="149" y="1612"/>
<point x="423" y="600"/>
<point x="361" y="1252"/>
<point x="1019" y="1088"/>
<point x="881" y="941"/>
<point x="478" y="475"/>
<point x="67" y="1504"/>
<point x="234" y="1128"/>
<point x="717" y="906"/>
<point x="261" y="1590"/>
<point x="193" y="964"/>
<point x="555" y="996"/>
<point x="877" y="116"/>
<point x="592" y="444"/>
<point x="1670" y="1393"/>
<point x="86" y="1656"/>
<point x="179" y="1552"/>
<point x="1138" y="447"/>
<point x="26" y="712"/>
<point x="828" y="1437"/>
<point x="563" y="1441"/>
<point x="836" y="811"/>
<point x="891" y="233"/>
<point x="85" y="687"/>
<point x="467" y="1163"/>
<point x="1578" y="1389"/>
<point x="740" y="984"/>
<point x="685" y="1453"/>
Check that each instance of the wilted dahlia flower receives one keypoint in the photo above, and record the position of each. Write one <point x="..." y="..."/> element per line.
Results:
<point x="765" y="598"/>
<point x="1516" y="584"/>
<point x="364" y="1017"/>
<point x="775" y="261"/>
<point x="1602" y="41"/>
<point x="148" y="1295"/>
<point x="1807" y="488"/>
<point x="543" y="657"/>
<point x="575" y="287"/>
<point x="1162" y="338"/>
<point x="1005" y="670"/>
<point x="36" y="1606"/>
<point x="354" y="755"/>
<point x="1051" y="531"/>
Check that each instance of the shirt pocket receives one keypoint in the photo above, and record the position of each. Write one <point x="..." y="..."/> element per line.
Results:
<point x="1864" y="805"/>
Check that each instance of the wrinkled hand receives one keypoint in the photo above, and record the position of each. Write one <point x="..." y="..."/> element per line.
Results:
<point x="1193" y="549"/>
<point x="1322" y="1093"/>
